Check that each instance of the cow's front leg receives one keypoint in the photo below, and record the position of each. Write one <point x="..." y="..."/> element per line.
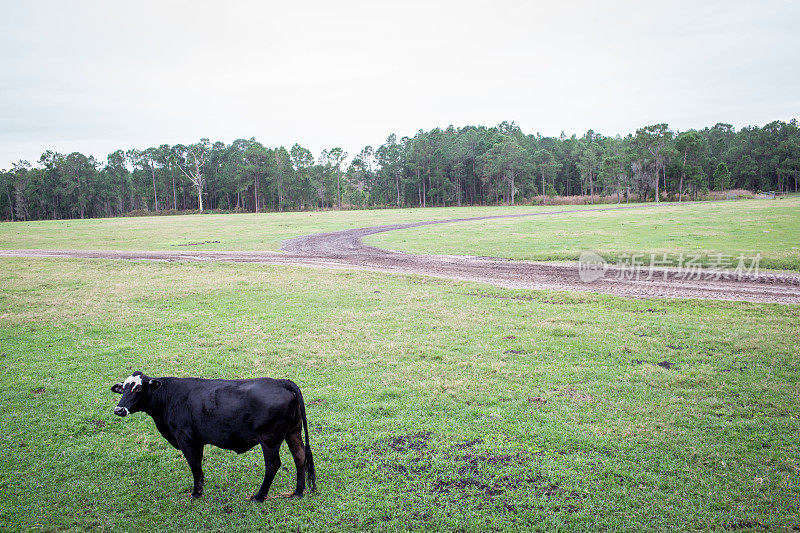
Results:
<point x="272" y="461"/>
<point x="194" y="456"/>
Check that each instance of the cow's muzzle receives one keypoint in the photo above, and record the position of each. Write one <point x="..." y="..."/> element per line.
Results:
<point x="121" y="411"/>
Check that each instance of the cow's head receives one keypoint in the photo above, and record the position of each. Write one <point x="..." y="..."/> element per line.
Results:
<point x="135" y="393"/>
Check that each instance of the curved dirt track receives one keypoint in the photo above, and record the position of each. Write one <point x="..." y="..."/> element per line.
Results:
<point x="345" y="249"/>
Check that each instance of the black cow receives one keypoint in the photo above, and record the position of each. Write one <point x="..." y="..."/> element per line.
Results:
<point x="231" y="414"/>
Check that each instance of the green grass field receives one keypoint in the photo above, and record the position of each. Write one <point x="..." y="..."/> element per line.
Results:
<point x="748" y="227"/>
<point x="433" y="405"/>
<point x="239" y="232"/>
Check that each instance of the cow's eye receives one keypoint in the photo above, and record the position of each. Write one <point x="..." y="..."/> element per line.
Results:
<point x="136" y="388"/>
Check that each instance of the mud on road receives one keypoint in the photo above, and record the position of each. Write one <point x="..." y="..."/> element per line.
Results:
<point x="345" y="249"/>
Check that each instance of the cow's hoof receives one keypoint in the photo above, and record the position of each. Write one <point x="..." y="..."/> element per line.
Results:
<point x="195" y="495"/>
<point x="255" y="498"/>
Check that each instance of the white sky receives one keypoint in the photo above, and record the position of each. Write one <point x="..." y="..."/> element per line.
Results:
<point x="95" y="76"/>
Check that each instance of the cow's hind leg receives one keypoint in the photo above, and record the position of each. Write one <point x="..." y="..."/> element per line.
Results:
<point x="194" y="456"/>
<point x="295" y="443"/>
<point x="272" y="461"/>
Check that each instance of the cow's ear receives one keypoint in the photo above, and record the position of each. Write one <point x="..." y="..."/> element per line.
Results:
<point x="154" y="384"/>
<point x="117" y="388"/>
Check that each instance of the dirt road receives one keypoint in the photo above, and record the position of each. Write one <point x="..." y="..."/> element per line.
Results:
<point x="345" y="249"/>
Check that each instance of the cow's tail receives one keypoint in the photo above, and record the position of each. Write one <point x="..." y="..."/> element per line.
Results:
<point x="312" y="475"/>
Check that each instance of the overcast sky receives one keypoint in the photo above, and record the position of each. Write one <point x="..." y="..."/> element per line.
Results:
<point x="97" y="76"/>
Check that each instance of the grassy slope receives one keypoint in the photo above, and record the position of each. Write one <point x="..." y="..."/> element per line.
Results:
<point x="233" y="232"/>
<point x="768" y="227"/>
<point x="620" y="442"/>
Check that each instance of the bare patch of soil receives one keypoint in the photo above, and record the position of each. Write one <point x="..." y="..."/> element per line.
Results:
<point x="472" y="473"/>
<point x="742" y="524"/>
<point x="490" y="477"/>
<point x="417" y="441"/>
<point x="575" y="395"/>
<point x="467" y="444"/>
<point x="666" y="365"/>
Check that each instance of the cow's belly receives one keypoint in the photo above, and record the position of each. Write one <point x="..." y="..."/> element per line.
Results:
<point x="241" y="440"/>
<point x="237" y="441"/>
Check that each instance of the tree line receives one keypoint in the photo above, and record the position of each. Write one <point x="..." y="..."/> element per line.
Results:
<point x="472" y="165"/>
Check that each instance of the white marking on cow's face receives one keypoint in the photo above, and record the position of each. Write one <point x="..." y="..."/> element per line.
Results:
<point x="131" y="395"/>
<point x="135" y="380"/>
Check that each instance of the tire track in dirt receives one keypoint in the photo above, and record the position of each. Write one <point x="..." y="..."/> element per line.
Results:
<point x="345" y="249"/>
